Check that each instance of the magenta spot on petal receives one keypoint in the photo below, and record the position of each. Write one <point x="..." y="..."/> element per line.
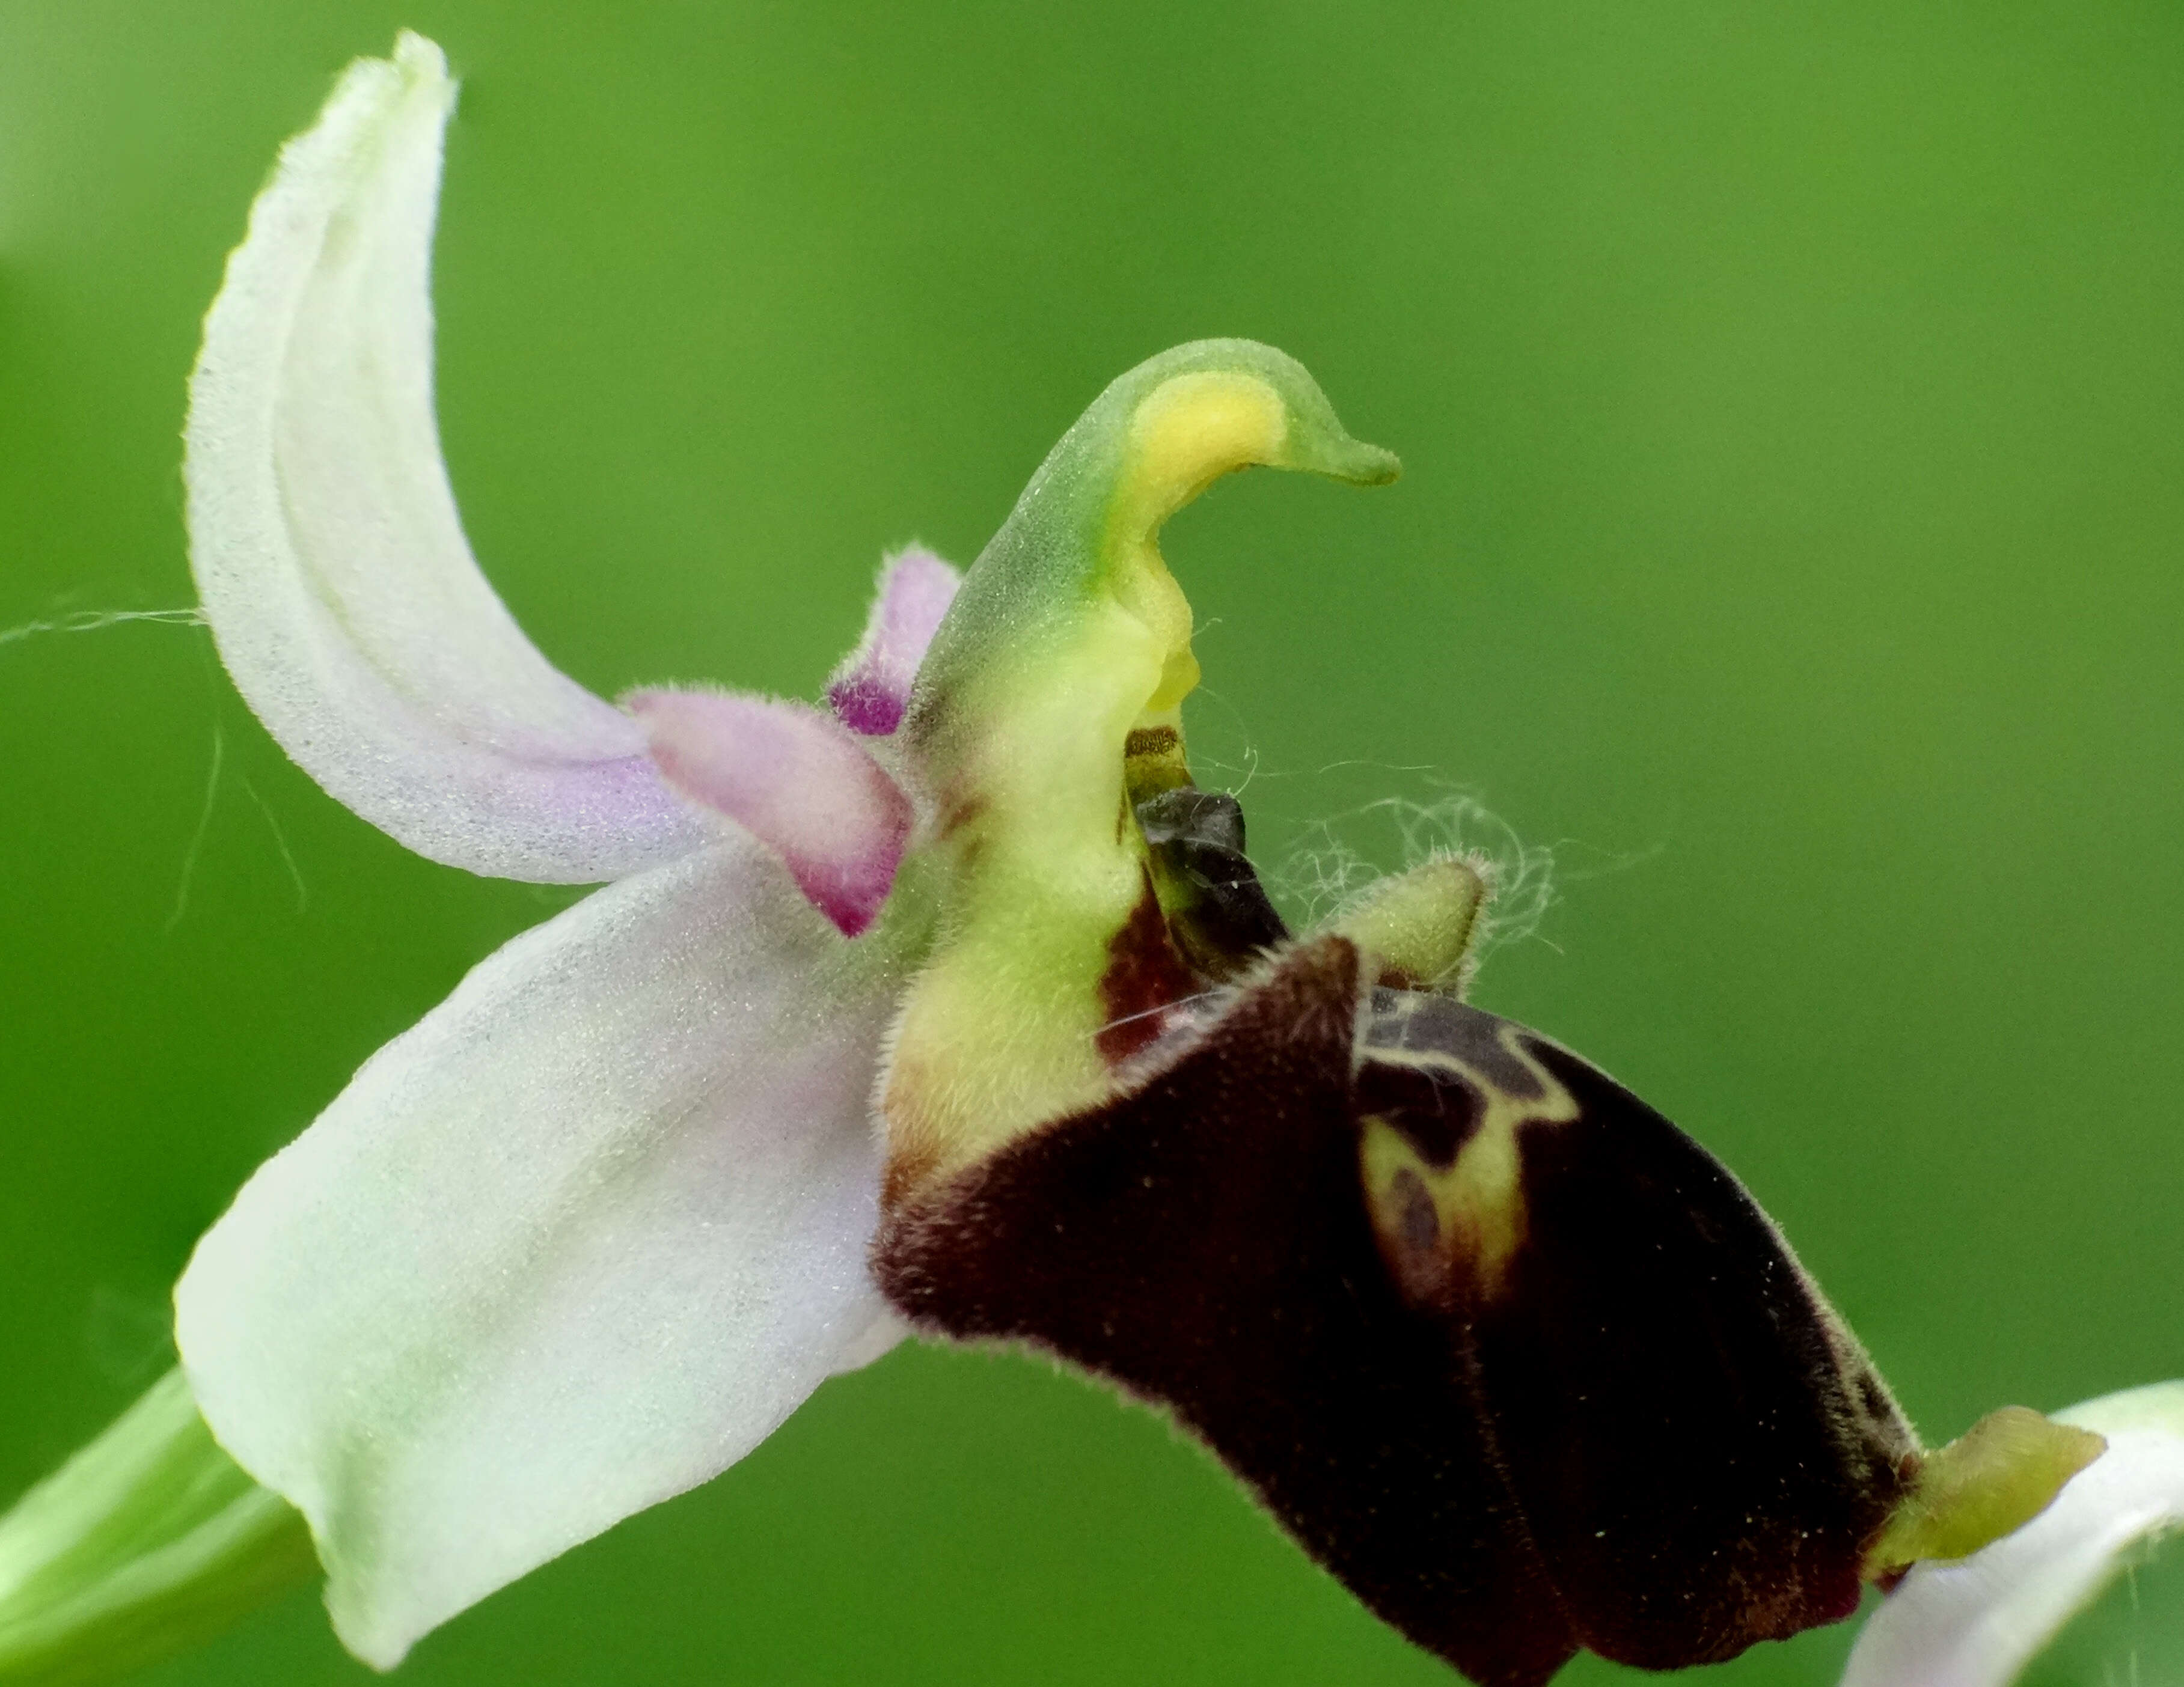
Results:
<point x="850" y="890"/>
<point x="850" y="913"/>
<point x="864" y="704"/>
<point x="870" y="690"/>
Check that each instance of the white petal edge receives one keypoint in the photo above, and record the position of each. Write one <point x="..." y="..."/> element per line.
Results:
<point x="325" y="539"/>
<point x="576" y="1243"/>
<point x="1979" y="1621"/>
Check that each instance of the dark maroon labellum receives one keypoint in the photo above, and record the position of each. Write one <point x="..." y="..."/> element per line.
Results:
<point x="1509" y="1353"/>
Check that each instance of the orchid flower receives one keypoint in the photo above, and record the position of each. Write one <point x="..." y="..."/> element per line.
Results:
<point x="956" y="1006"/>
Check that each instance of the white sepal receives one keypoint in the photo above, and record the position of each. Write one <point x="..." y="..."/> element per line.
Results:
<point x="579" y="1241"/>
<point x="325" y="542"/>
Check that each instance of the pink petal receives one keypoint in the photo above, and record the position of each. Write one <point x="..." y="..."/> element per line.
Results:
<point x="870" y="689"/>
<point x="796" y="780"/>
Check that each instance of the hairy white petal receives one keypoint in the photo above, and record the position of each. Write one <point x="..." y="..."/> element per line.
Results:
<point x="576" y="1242"/>
<point x="1979" y="1621"/>
<point x="324" y="538"/>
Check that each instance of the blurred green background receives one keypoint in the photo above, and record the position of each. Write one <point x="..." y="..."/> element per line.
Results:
<point x="1790" y="400"/>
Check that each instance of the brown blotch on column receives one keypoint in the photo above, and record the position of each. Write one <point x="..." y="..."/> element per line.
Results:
<point x="1145" y="974"/>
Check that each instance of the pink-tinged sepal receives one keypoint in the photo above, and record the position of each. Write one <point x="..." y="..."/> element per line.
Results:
<point x="325" y="542"/>
<point x="796" y="780"/>
<point x="870" y="690"/>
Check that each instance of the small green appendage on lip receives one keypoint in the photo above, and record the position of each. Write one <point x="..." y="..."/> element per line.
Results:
<point x="1990" y="1482"/>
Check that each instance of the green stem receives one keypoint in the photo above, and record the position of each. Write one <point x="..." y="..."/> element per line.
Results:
<point x="150" y="1540"/>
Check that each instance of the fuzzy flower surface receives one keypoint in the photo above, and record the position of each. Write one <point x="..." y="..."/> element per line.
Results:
<point x="592" y="1229"/>
<point x="954" y="1004"/>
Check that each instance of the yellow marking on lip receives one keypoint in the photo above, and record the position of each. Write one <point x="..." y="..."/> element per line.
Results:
<point x="1477" y="1202"/>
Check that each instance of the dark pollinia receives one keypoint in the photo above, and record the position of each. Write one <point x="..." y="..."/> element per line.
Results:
<point x="1504" y="1349"/>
